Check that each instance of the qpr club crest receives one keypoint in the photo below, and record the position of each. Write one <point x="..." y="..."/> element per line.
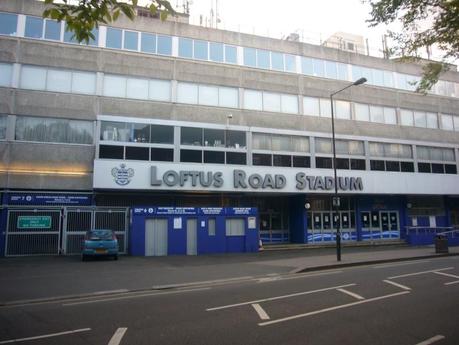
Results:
<point x="122" y="175"/>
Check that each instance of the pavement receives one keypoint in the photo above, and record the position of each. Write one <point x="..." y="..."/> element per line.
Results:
<point x="38" y="279"/>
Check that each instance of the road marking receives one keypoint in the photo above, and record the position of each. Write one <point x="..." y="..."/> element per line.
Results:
<point x="267" y="323"/>
<point x="432" y="340"/>
<point x="119" y="334"/>
<point x="423" y="272"/>
<point x="451" y="283"/>
<point x="296" y="276"/>
<point x="268" y="279"/>
<point x="45" y="336"/>
<point x="447" y="275"/>
<point x="278" y="297"/>
<point x="133" y="296"/>
<point x="351" y="294"/>
<point x="260" y="311"/>
<point x="401" y="264"/>
<point x="404" y="287"/>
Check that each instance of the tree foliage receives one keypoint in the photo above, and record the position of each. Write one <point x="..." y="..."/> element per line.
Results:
<point x="82" y="16"/>
<point x="425" y="24"/>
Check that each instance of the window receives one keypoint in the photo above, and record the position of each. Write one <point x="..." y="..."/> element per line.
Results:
<point x="388" y="79"/>
<point x="325" y="108"/>
<point x="33" y="27"/>
<point x="438" y="168"/>
<point x="342" y="71"/>
<point x="187" y="93"/>
<point x="261" y="159"/>
<point x="211" y="227"/>
<point x="392" y="166"/>
<point x="376" y="114"/>
<point x="228" y="97"/>
<point x="111" y="152"/>
<point x="420" y="119"/>
<point x="164" y="45"/>
<point x="6" y="72"/>
<point x="390" y="116"/>
<point x="236" y="158"/>
<point x="148" y="43"/>
<point x="201" y="50"/>
<point x="114" y="37"/>
<point x="377" y="165"/>
<point x="342" y="163"/>
<point x="324" y="163"/>
<point x="282" y="161"/>
<point x="362" y="112"/>
<point x="214" y="137"/>
<point x="447" y="122"/>
<point x="69" y="37"/>
<point x="216" y="157"/>
<point x="3" y="123"/>
<point x="115" y="131"/>
<point x="235" y="226"/>
<point x="424" y="167"/>
<point x="208" y="95"/>
<point x="52" y="30"/>
<point x="281" y="142"/>
<point x="311" y="106"/>
<point x="261" y="141"/>
<point x="271" y="101"/>
<point x="331" y="70"/>
<point x="131" y="40"/>
<point x="235" y="139"/>
<point x="114" y="86"/>
<point x="289" y="104"/>
<point x="250" y="57"/>
<point x="8" y="24"/>
<point x="300" y="144"/>
<point x="185" y="47"/>
<point x="301" y="162"/>
<point x="161" y="155"/>
<point x="290" y="63"/>
<point x="306" y="66"/>
<point x="230" y="54"/>
<point x="191" y="136"/>
<point x="323" y="145"/>
<point x="191" y="156"/>
<point x="53" y="130"/>
<point x="59" y="81"/>
<point x="33" y="78"/>
<point x="216" y="52"/>
<point x="84" y="82"/>
<point x="253" y="100"/>
<point x="406" y="118"/>
<point x="140" y="133"/>
<point x="318" y="67"/>
<point x="137" y="88"/>
<point x="407" y="166"/>
<point x="263" y="59"/>
<point x="162" y="134"/>
<point x="160" y="90"/>
<point x="432" y="121"/>
<point x="450" y="169"/>
<point x="358" y="164"/>
<point x="277" y="61"/>
<point x="137" y="153"/>
<point x="343" y="110"/>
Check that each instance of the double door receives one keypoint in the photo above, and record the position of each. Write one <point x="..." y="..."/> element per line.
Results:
<point x="322" y="226"/>
<point x="380" y="225"/>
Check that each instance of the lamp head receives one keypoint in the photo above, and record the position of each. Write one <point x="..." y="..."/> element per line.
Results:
<point x="360" y="81"/>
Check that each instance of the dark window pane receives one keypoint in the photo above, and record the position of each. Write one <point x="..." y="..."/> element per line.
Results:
<point x="438" y="168"/>
<point x="282" y="161"/>
<point x="137" y="153"/>
<point x="141" y="133"/>
<point x="324" y="163"/>
<point x="392" y="166"/>
<point x="214" y="157"/>
<point x="191" y="136"/>
<point x="301" y="162"/>
<point x="113" y="38"/>
<point x="424" y="167"/>
<point x="407" y="166"/>
<point x="148" y="43"/>
<point x="162" y="134"/>
<point x="192" y="156"/>
<point x="235" y="139"/>
<point x="377" y="165"/>
<point x="8" y="23"/>
<point x="162" y="155"/>
<point x="52" y="30"/>
<point x="261" y="159"/>
<point x="214" y="137"/>
<point x="358" y="164"/>
<point x="164" y="45"/>
<point x="342" y="163"/>
<point x="108" y="151"/>
<point x="34" y="27"/>
<point x="450" y="169"/>
<point x="236" y="158"/>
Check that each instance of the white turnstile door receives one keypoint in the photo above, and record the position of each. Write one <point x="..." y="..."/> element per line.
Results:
<point x="156" y="237"/>
<point x="191" y="237"/>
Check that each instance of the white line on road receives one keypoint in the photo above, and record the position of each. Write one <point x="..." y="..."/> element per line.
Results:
<point x="278" y="297"/>
<point x="152" y="294"/>
<point x="447" y="275"/>
<point x="401" y="264"/>
<point x="119" y="334"/>
<point x="431" y="340"/>
<point x="404" y="287"/>
<point x="423" y="272"/>
<point x="451" y="283"/>
<point x="351" y="294"/>
<point x="331" y="308"/>
<point x="45" y="336"/>
<point x="260" y="311"/>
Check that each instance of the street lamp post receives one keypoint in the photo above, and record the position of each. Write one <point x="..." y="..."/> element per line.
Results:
<point x="336" y="200"/>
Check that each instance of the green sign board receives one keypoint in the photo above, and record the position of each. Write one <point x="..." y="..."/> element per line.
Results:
<point x="34" y="222"/>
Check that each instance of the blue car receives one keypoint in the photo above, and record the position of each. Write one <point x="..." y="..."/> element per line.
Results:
<point x="98" y="243"/>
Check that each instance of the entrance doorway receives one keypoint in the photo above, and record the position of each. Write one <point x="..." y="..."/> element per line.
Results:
<point x="378" y="225"/>
<point x="322" y="226"/>
<point x="156" y="237"/>
<point x="191" y="237"/>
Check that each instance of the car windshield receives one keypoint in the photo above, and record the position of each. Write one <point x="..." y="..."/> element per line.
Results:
<point x="100" y="234"/>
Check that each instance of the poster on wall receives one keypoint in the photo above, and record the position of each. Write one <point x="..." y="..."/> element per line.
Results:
<point x="252" y="222"/>
<point x="177" y="222"/>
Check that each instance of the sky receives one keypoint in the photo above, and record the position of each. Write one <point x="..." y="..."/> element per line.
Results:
<point x="314" y="20"/>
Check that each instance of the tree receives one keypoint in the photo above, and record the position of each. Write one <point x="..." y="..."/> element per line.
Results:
<point x="82" y="16"/>
<point x="425" y="24"/>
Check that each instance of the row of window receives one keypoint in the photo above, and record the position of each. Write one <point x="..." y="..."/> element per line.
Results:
<point x="57" y="80"/>
<point x="151" y="43"/>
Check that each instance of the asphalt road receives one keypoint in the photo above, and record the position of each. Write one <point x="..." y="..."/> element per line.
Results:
<point x="415" y="302"/>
